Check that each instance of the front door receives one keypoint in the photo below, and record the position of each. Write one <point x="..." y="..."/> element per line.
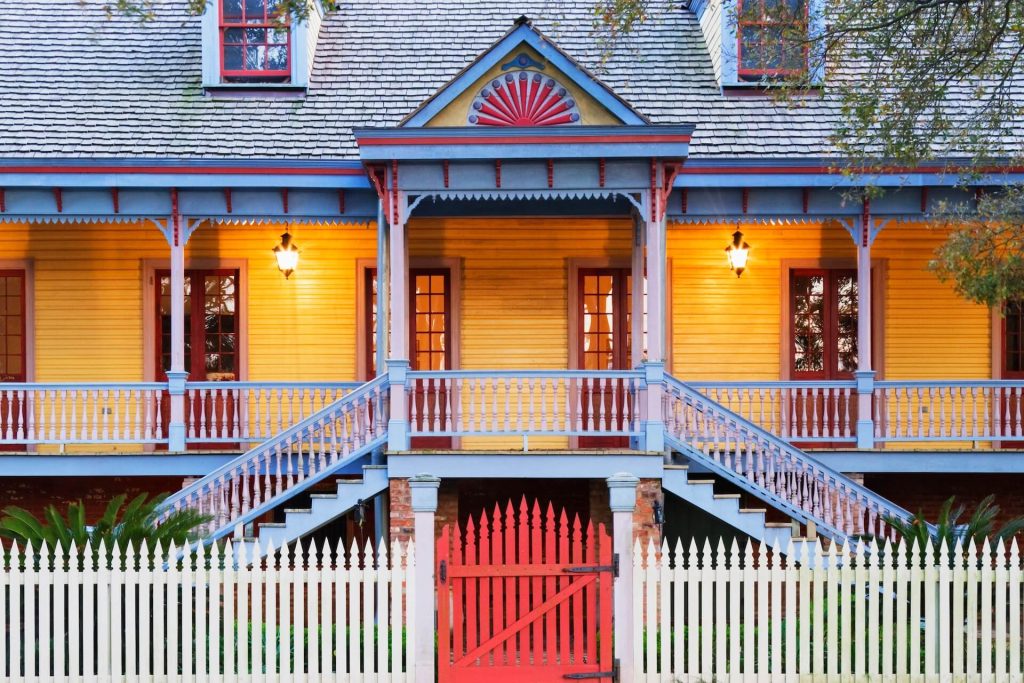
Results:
<point x="12" y="355"/>
<point x="823" y="347"/>
<point x="524" y="594"/>
<point x="211" y="350"/>
<point x="430" y="348"/>
<point x="603" y="315"/>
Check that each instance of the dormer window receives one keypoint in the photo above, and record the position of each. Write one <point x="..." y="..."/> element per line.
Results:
<point x="255" y="42"/>
<point x="771" y="39"/>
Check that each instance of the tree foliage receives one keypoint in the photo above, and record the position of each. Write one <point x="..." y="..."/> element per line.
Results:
<point x="127" y="525"/>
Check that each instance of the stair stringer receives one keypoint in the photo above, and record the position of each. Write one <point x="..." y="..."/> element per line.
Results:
<point x="324" y="508"/>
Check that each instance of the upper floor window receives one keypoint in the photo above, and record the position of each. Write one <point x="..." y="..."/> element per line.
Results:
<point x="255" y="42"/>
<point x="771" y="38"/>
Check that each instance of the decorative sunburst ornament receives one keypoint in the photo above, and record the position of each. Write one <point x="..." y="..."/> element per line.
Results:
<point x="524" y="98"/>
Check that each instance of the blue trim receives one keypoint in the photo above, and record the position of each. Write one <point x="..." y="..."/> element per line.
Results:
<point x="524" y="33"/>
<point x="931" y="462"/>
<point x="517" y="465"/>
<point x="113" y="465"/>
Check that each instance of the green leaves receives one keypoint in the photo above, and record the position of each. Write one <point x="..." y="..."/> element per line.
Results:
<point x="980" y="526"/>
<point x="127" y="525"/>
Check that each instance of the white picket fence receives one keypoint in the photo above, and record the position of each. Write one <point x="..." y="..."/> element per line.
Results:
<point x="850" y="614"/>
<point x="299" y="615"/>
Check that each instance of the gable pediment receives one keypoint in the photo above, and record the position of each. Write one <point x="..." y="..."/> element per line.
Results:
<point x="524" y="80"/>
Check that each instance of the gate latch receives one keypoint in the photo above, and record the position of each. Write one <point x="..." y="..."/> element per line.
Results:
<point x="442" y="571"/>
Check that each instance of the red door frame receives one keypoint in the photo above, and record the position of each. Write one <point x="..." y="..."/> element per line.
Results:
<point x="13" y="407"/>
<point x="1006" y="406"/>
<point x="830" y="348"/>
<point x="197" y="337"/>
<point x="424" y="400"/>
<point x="621" y="303"/>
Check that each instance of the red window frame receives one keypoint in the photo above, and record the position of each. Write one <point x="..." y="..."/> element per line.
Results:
<point x="765" y="22"/>
<point x="265" y="22"/>
<point x="830" y="323"/>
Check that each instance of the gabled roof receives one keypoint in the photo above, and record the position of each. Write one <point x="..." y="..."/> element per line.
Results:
<point x="77" y="84"/>
<point x="523" y="33"/>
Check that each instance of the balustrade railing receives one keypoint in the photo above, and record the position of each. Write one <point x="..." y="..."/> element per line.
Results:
<point x="84" y="413"/>
<point x="238" y="491"/>
<point x="250" y="412"/>
<point x="524" y="403"/>
<point x="805" y="412"/>
<point x="949" y="410"/>
<point x="771" y="468"/>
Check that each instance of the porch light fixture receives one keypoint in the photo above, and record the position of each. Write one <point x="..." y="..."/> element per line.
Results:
<point x="287" y="255"/>
<point x="737" y="253"/>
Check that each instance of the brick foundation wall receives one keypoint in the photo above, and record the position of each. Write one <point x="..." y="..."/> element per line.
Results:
<point x="36" y="493"/>
<point x="648" y="492"/>
<point x="400" y="517"/>
<point x="927" y="492"/>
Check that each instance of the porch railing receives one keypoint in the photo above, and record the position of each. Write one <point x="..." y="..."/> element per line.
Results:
<point x="984" y="410"/>
<point x="516" y="403"/>
<point x="84" y="413"/>
<point x="523" y="403"/>
<point x="805" y="412"/>
<point x="250" y="412"/>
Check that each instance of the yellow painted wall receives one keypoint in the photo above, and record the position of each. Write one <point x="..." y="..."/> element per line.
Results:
<point x="729" y="328"/>
<point x="89" y="296"/>
<point x="592" y="113"/>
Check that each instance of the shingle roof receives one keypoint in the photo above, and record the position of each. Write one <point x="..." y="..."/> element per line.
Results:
<point x="77" y="84"/>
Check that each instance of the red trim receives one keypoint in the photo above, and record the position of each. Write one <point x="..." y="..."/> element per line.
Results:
<point x="3" y="200"/>
<point x="746" y="199"/>
<point x="444" y="166"/>
<point x="551" y="174"/>
<point x="765" y="23"/>
<point x="394" y="192"/>
<point x="521" y="140"/>
<point x="58" y="196"/>
<point x="227" y="199"/>
<point x="175" y="216"/>
<point x="341" y="201"/>
<point x="262" y="21"/>
<point x="924" y="199"/>
<point x="115" y="199"/>
<point x="600" y="172"/>
<point x="807" y="199"/>
<point x="284" y="200"/>
<point x="685" y="196"/>
<point x="182" y="169"/>
<point x="865" y="222"/>
<point x="497" y="172"/>
<point x="828" y="170"/>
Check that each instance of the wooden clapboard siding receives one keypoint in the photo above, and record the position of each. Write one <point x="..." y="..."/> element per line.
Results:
<point x="730" y="328"/>
<point x="931" y="332"/>
<point x="89" y="296"/>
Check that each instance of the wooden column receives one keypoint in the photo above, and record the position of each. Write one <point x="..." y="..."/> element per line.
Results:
<point x="423" y="489"/>
<point x="637" y="273"/>
<point x="177" y="375"/>
<point x="398" y="305"/>
<point x="865" y="373"/>
<point x="622" y="498"/>
<point x="655" y="243"/>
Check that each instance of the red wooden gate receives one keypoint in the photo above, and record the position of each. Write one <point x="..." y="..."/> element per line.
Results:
<point x="524" y="599"/>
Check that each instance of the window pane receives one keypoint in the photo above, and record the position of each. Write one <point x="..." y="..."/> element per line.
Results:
<point x="278" y="58"/>
<point x="233" y="58"/>
<point x="232" y="10"/>
<point x="808" y="323"/>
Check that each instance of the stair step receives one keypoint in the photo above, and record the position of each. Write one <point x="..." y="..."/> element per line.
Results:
<point x="323" y="495"/>
<point x="754" y="510"/>
<point x="351" y="482"/>
<point x="272" y="525"/>
<point x="778" y="525"/>
<point x="727" y="496"/>
<point x="700" y="481"/>
<point x="677" y="467"/>
<point x="288" y="511"/>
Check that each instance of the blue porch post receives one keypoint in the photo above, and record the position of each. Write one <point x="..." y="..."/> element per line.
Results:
<point x="652" y="245"/>
<point x="622" y="500"/>
<point x="423" y="489"/>
<point x="177" y="374"/>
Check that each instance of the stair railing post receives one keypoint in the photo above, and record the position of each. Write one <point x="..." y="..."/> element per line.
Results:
<point x="622" y="499"/>
<point x="423" y="489"/>
<point x="865" y="417"/>
<point x="398" y="420"/>
<point x="654" y="422"/>
<point x="176" y="397"/>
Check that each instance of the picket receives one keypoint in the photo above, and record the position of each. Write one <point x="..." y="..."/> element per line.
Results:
<point x="113" y="613"/>
<point x="857" y="613"/>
